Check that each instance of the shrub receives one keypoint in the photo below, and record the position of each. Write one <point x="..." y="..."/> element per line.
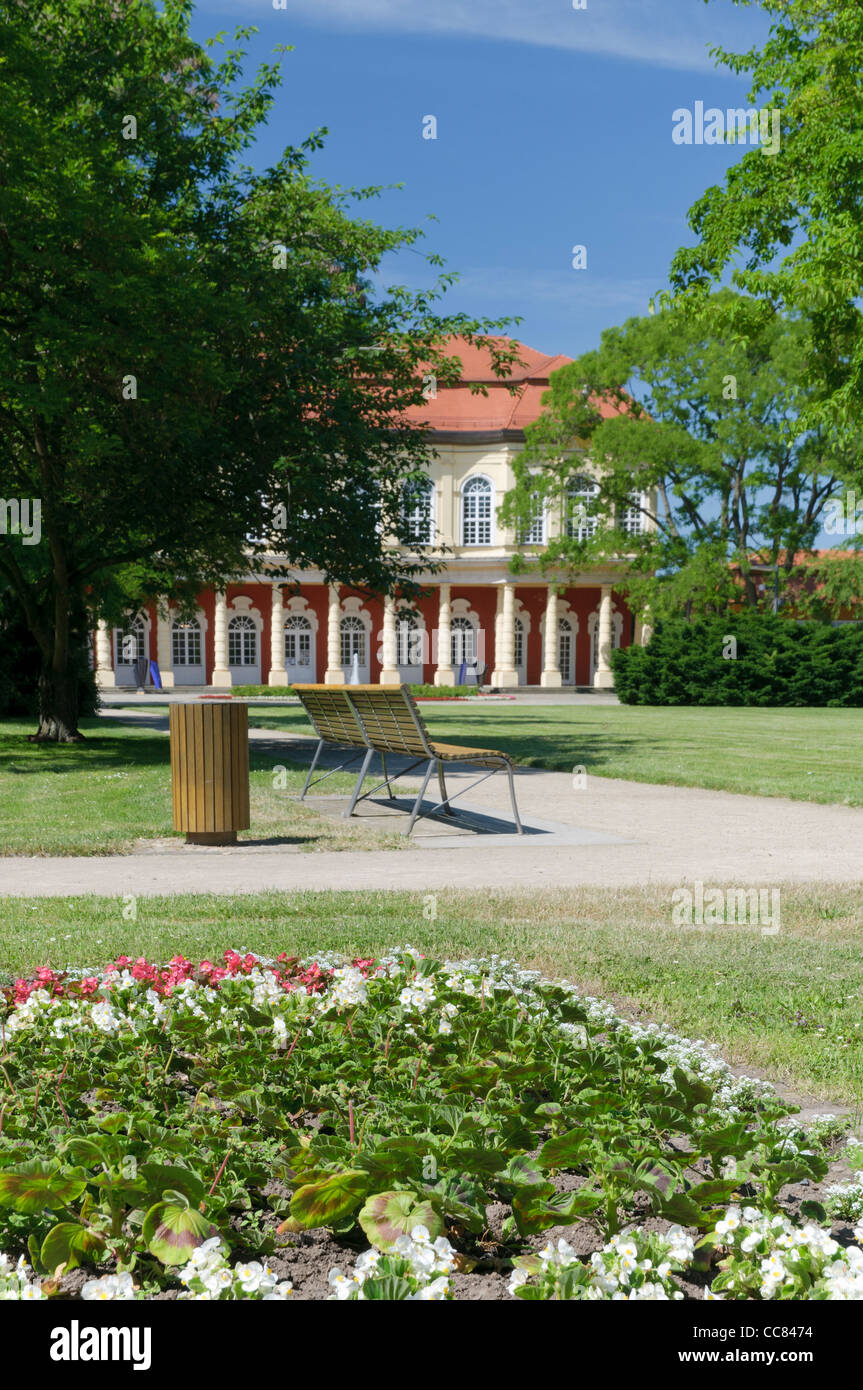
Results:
<point x="776" y="661"/>
<point x="20" y="663"/>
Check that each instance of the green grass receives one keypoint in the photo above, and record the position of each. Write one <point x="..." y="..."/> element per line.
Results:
<point x="105" y="795"/>
<point x="102" y="796"/>
<point x="807" y="754"/>
<point x="790" y="1006"/>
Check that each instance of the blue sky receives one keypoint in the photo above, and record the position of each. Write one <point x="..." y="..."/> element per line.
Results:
<point x="553" y="129"/>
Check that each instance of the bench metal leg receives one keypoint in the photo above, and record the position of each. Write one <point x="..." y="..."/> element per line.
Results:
<point x="386" y="777"/>
<point x="312" y="768"/>
<point x="442" y="784"/>
<point x="512" y="798"/>
<point x="360" y="779"/>
<point x="422" y="792"/>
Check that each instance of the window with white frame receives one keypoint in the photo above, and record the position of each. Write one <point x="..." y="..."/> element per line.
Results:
<point x="186" y="644"/>
<point x="409" y="641"/>
<point x="519" y="642"/>
<point x="242" y="642"/>
<point x="581" y="521"/>
<point x="418" y="511"/>
<point x="477" y="500"/>
<point x="129" y="644"/>
<point x="634" y="519"/>
<point x="353" y="641"/>
<point x="298" y="641"/>
<point x="534" y="533"/>
<point x="565" y="650"/>
<point x="462" y="642"/>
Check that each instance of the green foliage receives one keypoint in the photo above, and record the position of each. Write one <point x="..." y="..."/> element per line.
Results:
<point x="777" y="662"/>
<point x="443" y="691"/>
<point x="193" y="353"/>
<point x="699" y="430"/>
<point x="22" y="664"/>
<point x="409" y="1099"/>
<point x="388" y="1215"/>
<point x="172" y="1231"/>
<point x="787" y="226"/>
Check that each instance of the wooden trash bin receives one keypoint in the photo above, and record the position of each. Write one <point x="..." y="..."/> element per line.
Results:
<point x="210" y="771"/>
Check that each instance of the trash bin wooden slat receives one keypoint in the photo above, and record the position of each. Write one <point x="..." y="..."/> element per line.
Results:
<point x="210" y="771"/>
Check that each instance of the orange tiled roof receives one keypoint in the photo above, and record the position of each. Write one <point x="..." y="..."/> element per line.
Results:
<point x="503" y="413"/>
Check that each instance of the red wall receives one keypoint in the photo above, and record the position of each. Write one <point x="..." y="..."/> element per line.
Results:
<point x="483" y="602"/>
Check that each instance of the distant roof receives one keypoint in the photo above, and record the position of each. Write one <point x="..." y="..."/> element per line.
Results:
<point x="458" y="415"/>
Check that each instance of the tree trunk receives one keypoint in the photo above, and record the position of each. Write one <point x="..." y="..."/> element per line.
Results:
<point x="58" y="708"/>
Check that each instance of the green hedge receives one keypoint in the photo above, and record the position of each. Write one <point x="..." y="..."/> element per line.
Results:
<point x="778" y="662"/>
<point x="20" y="665"/>
<point x="252" y="692"/>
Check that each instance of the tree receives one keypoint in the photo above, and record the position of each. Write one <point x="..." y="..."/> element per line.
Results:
<point x="789" y="225"/>
<point x="192" y="353"/>
<point x="694" y="432"/>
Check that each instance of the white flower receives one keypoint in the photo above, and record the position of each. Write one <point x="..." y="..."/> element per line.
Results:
<point x="109" y="1287"/>
<point x="249" y="1276"/>
<point x="342" y="1287"/>
<point x="729" y="1223"/>
<point x="433" y="1292"/>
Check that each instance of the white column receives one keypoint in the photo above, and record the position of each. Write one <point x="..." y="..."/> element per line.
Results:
<point x="645" y="629"/>
<point x="164" y="655"/>
<point x="551" y="666"/>
<point x="505" y="673"/>
<point x="105" y="677"/>
<point x="221" y="675"/>
<point x="278" y="675"/>
<point x="334" y="674"/>
<point x="603" y="676"/>
<point x="389" y="666"/>
<point x="444" y="674"/>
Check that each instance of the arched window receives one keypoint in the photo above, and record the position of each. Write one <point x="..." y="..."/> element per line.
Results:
<point x="129" y="644"/>
<point x="477" y="497"/>
<point x="242" y="642"/>
<point x="581" y="520"/>
<point x="462" y="641"/>
<point x="186" y="644"/>
<point x="353" y="640"/>
<point x="409" y="641"/>
<point x="298" y="641"/>
<point x="534" y="533"/>
<point x="518" y="659"/>
<point x="634" y="520"/>
<point x="565" y="650"/>
<point x="418" y="511"/>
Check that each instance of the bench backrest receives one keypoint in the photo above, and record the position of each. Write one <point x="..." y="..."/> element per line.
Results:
<point x="331" y="716"/>
<point x="389" y="718"/>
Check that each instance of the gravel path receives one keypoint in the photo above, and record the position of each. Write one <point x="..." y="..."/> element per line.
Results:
<point x="605" y="834"/>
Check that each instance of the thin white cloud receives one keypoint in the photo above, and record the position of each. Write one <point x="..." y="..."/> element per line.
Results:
<point x="482" y="289"/>
<point x="668" y="33"/>
<point x="524" y="288"/>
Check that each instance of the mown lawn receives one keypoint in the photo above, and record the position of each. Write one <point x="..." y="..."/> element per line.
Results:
<point x="790" y="1006"/>
<point x="807" y="754"/>
<point x="102" y="796"/>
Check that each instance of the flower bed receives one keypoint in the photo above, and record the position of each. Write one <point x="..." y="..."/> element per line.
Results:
<point x="398" y="1128"/>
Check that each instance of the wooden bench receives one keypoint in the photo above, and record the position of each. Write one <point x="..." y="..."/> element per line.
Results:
<point x="334" y="722"/>
<point x="384" y="719"/>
